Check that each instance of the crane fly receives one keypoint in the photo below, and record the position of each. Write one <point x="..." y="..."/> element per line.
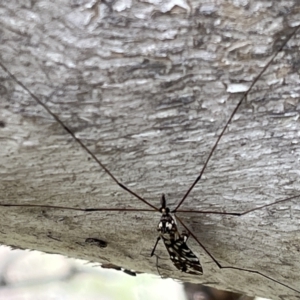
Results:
<point x="180" y="254"/>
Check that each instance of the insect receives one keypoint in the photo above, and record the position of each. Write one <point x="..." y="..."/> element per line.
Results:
<point x="180" y="254"/>
<point x="179" y="239"/>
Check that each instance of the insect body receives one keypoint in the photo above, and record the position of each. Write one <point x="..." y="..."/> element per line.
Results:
<point x="180" y="254"/>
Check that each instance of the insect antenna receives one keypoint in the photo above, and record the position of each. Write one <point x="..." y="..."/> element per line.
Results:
<point x="163" y="202"/>
<point x="232" y="115"/>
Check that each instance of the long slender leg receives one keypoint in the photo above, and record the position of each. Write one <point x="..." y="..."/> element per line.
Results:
<point x="232" y="115"/>
<point x="58" y="120"/>
<point x="153" y="250"/>
<point x="157" y="267"/>
<point x="236" y="214"/>
<point x="74" y="208"/>
<point x="109" y="173"/>
<point x="230" y="267"/>
<point x="239" y="214"/>
<point x="127" y="189"/>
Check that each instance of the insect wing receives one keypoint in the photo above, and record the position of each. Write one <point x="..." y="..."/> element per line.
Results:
<point x="182" y="256"/>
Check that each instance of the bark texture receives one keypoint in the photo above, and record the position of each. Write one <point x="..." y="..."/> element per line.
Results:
<point x="148" y="87"/>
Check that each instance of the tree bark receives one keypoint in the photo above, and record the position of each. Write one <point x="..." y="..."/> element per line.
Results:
<point x="148" y="88"/>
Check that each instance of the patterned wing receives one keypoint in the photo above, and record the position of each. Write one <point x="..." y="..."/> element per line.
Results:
<point x="182" y="256"/>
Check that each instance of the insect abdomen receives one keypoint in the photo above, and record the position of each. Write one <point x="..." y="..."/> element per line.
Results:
<point x="182" y="256"/>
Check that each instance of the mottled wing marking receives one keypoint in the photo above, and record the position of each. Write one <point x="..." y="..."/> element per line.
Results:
<point x="182" y="256"/>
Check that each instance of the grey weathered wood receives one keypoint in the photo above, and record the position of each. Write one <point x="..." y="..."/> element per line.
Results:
<point x="148" y="87"/>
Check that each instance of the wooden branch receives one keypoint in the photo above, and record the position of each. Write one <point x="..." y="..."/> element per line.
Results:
<point x="147" y="89"/>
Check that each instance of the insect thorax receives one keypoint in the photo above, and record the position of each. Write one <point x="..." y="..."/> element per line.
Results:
<point x="167" y="225"/>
